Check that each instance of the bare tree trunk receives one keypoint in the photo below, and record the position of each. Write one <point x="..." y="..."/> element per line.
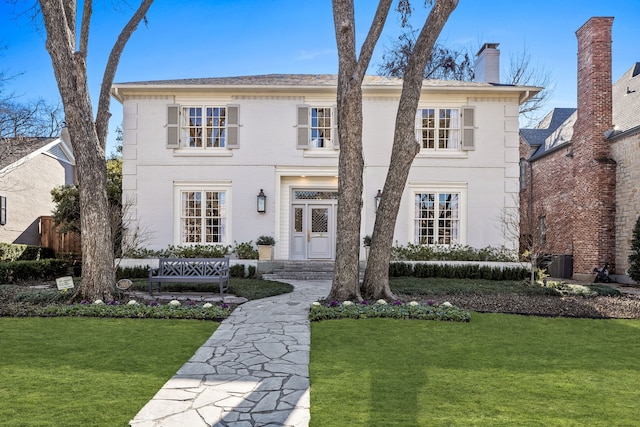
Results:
<point x="351" y="72"/>
<point x="405" y="148"/>
<point x="88" y="140"/>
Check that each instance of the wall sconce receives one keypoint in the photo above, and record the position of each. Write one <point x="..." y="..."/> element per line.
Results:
<point x="262" y="202"/>
<point x="377" y="199"/>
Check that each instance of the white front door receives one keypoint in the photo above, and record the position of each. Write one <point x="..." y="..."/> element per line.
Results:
<point x="320" y="232"/>
<point x="313" y="227"/>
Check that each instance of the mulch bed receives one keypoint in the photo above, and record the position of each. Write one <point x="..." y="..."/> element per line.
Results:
<point x="622" y="307"/>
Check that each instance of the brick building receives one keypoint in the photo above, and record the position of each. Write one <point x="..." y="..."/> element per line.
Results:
<point x="580" y="168"/>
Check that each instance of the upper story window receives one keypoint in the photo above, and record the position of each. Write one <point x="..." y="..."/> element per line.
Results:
<point x="204" y="127"/>
<point x="439" y="128"/>
<point x="445" y="129"/>
<point x="320" y="127"/>
<point x="316" y="127"/>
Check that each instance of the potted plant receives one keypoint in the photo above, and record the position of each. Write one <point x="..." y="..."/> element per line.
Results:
<point x="265" y="247"/>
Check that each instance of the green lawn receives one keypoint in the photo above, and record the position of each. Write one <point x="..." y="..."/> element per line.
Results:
<point x="497" y="370"/>
<point x="71" y="371"/>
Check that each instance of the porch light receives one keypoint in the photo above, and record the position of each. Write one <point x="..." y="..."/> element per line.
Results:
<point x="377" y="199"/>
<point x="262" y="202"/>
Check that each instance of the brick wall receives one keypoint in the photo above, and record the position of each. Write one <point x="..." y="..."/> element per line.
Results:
<point x="574" y="187"/>
<point x="548" y="195"/>
<point x="593" y="168"/>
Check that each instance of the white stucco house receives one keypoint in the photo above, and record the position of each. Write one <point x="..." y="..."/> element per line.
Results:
<point x="29" y="169"/>
<point x="197" y="153"/>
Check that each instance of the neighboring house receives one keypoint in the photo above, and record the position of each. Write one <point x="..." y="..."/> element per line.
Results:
<point x="29" y="169"/>
<point x="197" y="153"/>
<point x="580" y="168"/>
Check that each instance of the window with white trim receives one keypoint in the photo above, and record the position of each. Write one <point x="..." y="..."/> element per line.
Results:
<point x="437" y="218"/>
<point x="316" y="128"/>
<point x="203" y="217"/>
<point x="320" y="127"/>
<point x="438" y="128"/>
<point x="204" y="127"/>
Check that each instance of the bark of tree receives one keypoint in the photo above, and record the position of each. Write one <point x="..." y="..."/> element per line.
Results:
<point x="351" y="72"/>
<point x="87" y="136"/>
<point x="405" y="148"/>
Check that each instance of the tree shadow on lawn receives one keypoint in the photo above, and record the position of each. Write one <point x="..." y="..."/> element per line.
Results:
<point x="497" y="368"/>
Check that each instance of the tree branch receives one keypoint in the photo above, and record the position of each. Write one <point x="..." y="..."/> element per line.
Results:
<point x="87" y="10"/>
<point x="372" y="38"/>
<point x="102" y="118"/>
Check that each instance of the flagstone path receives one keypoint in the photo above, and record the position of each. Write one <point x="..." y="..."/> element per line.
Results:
<point x="253" y="371"/>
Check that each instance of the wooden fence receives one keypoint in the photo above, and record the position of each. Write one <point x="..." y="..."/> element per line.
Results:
<point x="50" y="237"/>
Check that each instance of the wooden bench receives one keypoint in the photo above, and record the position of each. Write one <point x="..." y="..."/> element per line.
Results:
<point x="194" y="270"/>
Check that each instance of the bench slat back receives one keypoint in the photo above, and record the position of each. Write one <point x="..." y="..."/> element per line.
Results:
<point x="193" y="267"/>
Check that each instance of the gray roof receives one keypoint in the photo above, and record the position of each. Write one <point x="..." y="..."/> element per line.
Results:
<point x="327" y="80"/>
<point x="554" y="131"/>
<point x="13" y="149"/>
<point x="626" y="100"/>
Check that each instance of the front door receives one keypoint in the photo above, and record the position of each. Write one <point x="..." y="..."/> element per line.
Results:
<point x="320" y="236"/>
<point x="313" y="226"/>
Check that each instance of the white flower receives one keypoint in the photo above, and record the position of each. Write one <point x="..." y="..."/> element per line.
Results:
<point x="447" y="304"/>
<point x="207" y="305"/>
<point x="132" y="302"/>
<point x="316" y="303"/>
<point x="347" y="303"/>
<point x="174" y="303"/>
<point x="381" y="302"/>
<point x="98" y="301"/>
<point x="414" y="303"/>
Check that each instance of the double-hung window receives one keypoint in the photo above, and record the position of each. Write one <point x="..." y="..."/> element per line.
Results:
<point x="203" y="217"/>
<point x="201" y="127"/>
<point x="439" y="128"/>
<point x="316" y="128"/>
<point x="204" y="127"/>
<point x="437" y="218"/>
<point x="320" y="127"/>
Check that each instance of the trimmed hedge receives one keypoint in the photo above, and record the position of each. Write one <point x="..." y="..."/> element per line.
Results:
<point x="464" y="271"/>
<point x="18" y="271"/>
<point x="14" y="252"/>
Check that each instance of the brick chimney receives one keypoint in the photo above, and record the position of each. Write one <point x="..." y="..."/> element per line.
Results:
<point x="594" y="170"/>
<point x="487" y="65"/>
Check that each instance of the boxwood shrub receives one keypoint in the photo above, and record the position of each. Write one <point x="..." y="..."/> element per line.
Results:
<point x="457" y="271"/>
<point x="20" y="271"/>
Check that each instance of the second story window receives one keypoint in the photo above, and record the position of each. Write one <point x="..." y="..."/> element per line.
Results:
<point x="204" y="127"/>
<point x="316" y="129"/>
<point x="439" y="128"/>
<point x="320" y="127"/>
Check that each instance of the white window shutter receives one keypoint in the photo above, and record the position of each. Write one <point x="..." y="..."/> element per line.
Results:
<point x="173" y="126"/>
<point x="233" y="126"/>
<point x="468" y="129"/>
<point x="334" y="128"/>
<point x="302" y="127"/>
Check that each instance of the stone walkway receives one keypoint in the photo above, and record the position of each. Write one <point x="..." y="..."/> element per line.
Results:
<point x="253" y="371"/>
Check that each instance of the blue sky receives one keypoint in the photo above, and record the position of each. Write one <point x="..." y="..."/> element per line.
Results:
<point x="244" y="37"/>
